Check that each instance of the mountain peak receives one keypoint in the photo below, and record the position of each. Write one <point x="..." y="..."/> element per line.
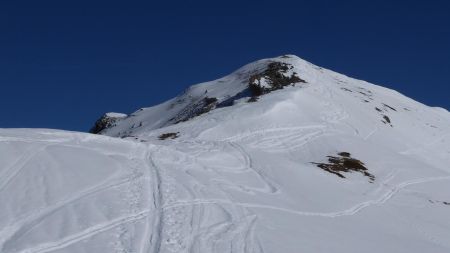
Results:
<point x="277" y="91"/>
<point x="246" y="84"/>
<point x="274" y="157"/>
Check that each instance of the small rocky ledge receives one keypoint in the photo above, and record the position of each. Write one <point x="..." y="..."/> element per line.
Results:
<point x="106" y="121"/>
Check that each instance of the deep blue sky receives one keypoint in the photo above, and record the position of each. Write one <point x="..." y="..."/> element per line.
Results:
<point x="64" y="63"/>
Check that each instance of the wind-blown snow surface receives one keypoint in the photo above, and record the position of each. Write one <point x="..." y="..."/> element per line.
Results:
<point x="238" y="178"/>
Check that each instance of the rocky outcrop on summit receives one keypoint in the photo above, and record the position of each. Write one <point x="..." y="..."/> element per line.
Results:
<point x="276" y="76"/>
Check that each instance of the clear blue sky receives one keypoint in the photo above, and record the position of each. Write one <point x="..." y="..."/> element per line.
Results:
<point x="64" y="63"/>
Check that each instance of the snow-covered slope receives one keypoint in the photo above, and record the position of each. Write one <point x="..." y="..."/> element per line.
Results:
<point x="279" y="156"/>
<point x="73" y="192"/>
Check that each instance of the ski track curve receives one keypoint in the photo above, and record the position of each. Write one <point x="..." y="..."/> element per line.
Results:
<point x="240" y="137"/>
<point x="87" y="233"/>
<point x="350" y="211"/>
<point x="282" y="140"/>
<point x="9" y="174"/>
<point x="270" y="187"/>
<point x="228" y="235"/>
<point x="24" y="224"/>
<point x="140" y="171"/>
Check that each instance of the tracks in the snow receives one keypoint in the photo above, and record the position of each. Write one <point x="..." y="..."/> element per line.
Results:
<point x="129" y="188"/>
<point x="8" y="174"/>
<point x="25" y="223"/>
<point x="184" y="228"/>
<point x="350" y="211"/>
<point x="85" y="234"/>
<point x="152" y="235"/>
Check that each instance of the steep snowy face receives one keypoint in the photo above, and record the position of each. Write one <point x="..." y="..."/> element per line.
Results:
<point x="287" y="91"/>
<point x="244" y="85"/>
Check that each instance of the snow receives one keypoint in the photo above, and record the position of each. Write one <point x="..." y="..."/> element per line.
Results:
<point x="116" y="115"/>
<point x="72" y="192"/>
<point x="239" y="178"/>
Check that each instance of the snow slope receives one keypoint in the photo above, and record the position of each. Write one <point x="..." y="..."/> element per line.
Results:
<point x="238" y="176"/>
<point x="73" y="192"/>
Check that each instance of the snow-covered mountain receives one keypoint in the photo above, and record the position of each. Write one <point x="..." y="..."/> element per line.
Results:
<point x="279" y="156"/>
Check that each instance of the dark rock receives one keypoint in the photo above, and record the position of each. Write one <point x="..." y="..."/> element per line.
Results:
<point x="345" y="163"/>
<point x="275" y="78"/>
<point x="106" y="121"/>
<point x="390" y="107"/>
<point x="168" y="136"/>
<point x="195" y="109"/>
<point x="345" y="89"/>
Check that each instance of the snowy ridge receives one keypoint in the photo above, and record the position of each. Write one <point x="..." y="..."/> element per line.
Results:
<point x="220" y="169"/>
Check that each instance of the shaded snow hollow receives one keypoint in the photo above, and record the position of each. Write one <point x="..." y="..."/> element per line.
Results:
<point x="307" y="160"/>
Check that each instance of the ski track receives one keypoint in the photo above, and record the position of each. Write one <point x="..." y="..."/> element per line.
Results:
<point x="383" y="184"/>
<point x="9" y="174"/>
<point x="133" y="195"/>
<point x="371" y="134"/>
<point x="351" y="211"/>
<point x="270" y="187"/>
<point x="227" y="236"/>
<point x="236" y="234"/>
<point x="171" y="222"/>
<point x="262" y="132"/>
<point x="281" y="142"/>
<point x="154" y="242"/>
<point x="87" y="233"/>
<point x="24" y="224"/>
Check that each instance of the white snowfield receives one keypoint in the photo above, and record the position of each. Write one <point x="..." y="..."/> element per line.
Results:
<point x="239" y="178"/>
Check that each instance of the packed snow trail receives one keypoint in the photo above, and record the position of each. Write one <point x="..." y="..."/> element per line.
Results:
<point x="234" y="223"/>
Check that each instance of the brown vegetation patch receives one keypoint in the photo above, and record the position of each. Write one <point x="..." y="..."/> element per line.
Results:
<point x="168" y="136"/>
<point x="344" y="163"/>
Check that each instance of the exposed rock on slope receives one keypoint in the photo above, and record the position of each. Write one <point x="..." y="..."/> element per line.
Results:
<point x="106" y="121"/>
<point x="345" y="163"/>
<point x="276" y="76"/>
